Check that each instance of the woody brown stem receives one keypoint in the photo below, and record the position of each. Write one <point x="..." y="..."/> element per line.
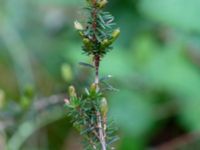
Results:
<point x="101" y="132"/>
<point x="97" y="58"/>
<point x="96" y="64"/>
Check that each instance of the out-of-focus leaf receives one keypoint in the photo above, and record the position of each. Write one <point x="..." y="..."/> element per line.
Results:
<point x="131" y="143"/>
<point x="132" y="113"/>
<point x="66" y="71"/>
<point x="28" y="127"/>
<point x="145" y="47"/>
<point x="86" y="65"/>
<point x="65" y="2"/>
<point x="116" y="63"/>
<point x="2" y="98"/>
<point x="168" y="69"/>
<point x="179" y="13"/>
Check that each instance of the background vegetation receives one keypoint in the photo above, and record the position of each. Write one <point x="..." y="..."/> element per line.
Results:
<point x="155" y="64"/>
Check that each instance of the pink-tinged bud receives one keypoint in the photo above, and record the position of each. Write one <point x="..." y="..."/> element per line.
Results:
<point x="67" y="102"/>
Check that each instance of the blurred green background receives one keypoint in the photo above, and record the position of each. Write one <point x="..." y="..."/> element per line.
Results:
<point x="155" y="65"/>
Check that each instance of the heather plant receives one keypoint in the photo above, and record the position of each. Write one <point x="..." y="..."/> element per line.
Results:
<point x="88" y="111"/>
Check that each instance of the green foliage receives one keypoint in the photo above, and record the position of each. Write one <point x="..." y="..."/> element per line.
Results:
<point x="155" y="66"/>
<point x="89" y="111"/>
<point x="99" y="33"/>
<point x="179" y="13"/>
<point x="134" y="105"/>
<point x="85" y="111"/>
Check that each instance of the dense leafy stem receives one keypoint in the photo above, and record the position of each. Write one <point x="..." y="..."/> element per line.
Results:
<point x="99" y="33"/>
<point x="85" y="111"/>
<point x="89" y="111"/>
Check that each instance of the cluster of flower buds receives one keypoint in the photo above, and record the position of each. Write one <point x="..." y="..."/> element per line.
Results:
<point x="107" y="42"/>
<point x="88" y="42"/>
<point x="101" y="3"/>
<point x="98" y="34"/>
<point x="98" y="3"/>
<point x="89" y="111"/>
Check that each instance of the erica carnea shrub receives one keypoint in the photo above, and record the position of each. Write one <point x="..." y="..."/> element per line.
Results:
<point x="88" y="111"/>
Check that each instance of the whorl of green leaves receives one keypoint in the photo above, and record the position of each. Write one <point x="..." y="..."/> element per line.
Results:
<point x="83" y="112"/>
<point x="99" y="32"/>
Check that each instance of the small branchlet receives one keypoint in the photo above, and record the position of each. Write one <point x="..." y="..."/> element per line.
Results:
<point x="89" y="116"/>
<point x="100" y="32"/>
<point x="89" y="111"/>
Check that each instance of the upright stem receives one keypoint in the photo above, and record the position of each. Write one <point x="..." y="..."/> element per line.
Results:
<point x="96" y="64"/>
<point x="94" y="26"/>
<point x="101" y="131"/>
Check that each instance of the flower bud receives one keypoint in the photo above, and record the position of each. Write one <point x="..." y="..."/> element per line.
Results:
<point x="72" y="91"/>
<point x="70" y="103"/>
<point x="86" y="41"/>
<point x="105" y="43"/>
<point x="93" y="88"/>
<point x="67" y="102"/>
<point x="81" y="33"/>
<point x="104" y="107"/>
<point x="102" y="3"/>
<point x="78" y="26"/>
<point x="115" y="33"/>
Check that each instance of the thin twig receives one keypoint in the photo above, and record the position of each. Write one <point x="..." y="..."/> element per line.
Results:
<point x="101" y="132"/>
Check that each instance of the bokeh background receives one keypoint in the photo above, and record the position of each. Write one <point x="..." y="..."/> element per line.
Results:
<point x="155" y="65"/>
